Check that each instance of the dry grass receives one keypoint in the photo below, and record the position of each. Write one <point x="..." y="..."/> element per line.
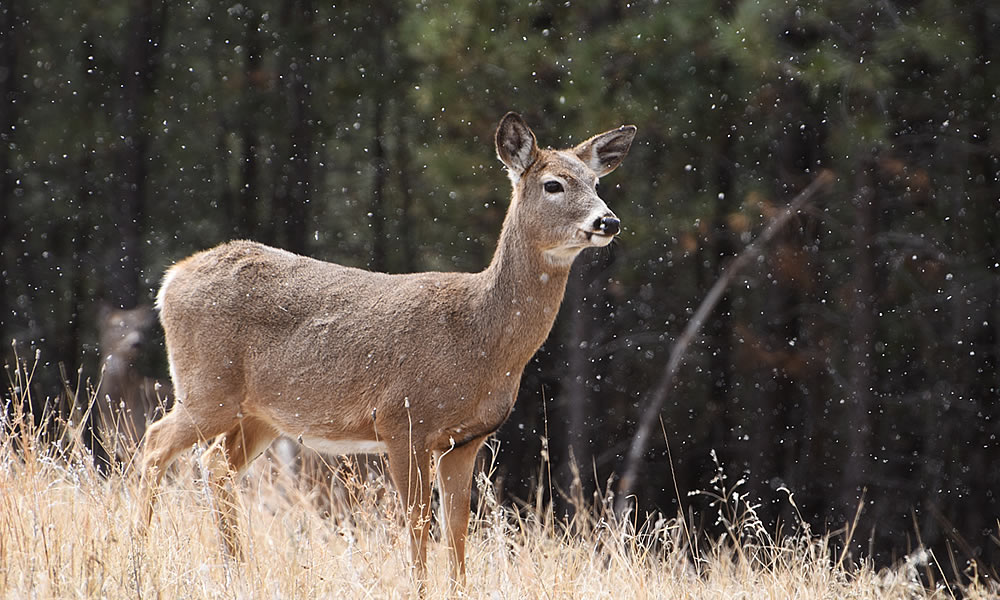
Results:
<point x="65" y="532"/>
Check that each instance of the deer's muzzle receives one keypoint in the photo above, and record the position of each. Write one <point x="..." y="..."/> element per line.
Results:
<point x="608" y="225"/>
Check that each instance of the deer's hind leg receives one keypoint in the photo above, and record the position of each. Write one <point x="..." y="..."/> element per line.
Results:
<point x="224" y="462"/>
<point x="164" y="440"/>
<point x="189" y="422"/>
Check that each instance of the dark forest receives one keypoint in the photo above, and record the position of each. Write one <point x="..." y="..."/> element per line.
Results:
<point x="852" y="360"/>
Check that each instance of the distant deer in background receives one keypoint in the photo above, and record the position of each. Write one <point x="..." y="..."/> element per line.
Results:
<point x="423" y="366"/>
<point x="128" y="398"/>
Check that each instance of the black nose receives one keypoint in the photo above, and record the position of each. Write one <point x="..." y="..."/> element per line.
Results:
<point x="608" y="225"/>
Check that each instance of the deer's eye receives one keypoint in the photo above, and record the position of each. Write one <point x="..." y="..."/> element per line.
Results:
<point x="553" y="187"/>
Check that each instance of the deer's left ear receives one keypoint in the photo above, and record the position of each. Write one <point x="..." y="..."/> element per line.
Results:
<point x="605" y="151"/>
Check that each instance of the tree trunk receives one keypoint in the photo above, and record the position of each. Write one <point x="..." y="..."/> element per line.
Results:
<point x="248" y="220"/>
<point x="408" y="262"/>
<point x="976" y="338"/>
<point x="382" y="87"/>
<point x="142" y="56"/>
<point x="378" y="216"/>
<point x="723" y="249"/>
<point x="575" y="396"/>
<point x="9" y="104"/>
<point x="861" y="380"/>
<point x="297" y="179"/>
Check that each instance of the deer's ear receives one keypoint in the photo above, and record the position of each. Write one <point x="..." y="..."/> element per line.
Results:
<point x="104" y="311"/>
<point x="605" y="151"/>
<point x="516" y="145"/>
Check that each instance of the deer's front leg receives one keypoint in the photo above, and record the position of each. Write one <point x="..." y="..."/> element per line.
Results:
<point x="455" y="479"/>
<point x="410" y="469"/>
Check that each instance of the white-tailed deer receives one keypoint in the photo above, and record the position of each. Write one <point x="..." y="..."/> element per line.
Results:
<point x="422" y="366"/>
<point x="128" y="399"/>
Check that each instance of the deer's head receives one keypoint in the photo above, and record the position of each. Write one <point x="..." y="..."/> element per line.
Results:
<point x="555" y="202"/>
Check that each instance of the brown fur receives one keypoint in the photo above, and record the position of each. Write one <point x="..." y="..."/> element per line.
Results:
<point x="128" y="400"/>
<point x="262" y="342"/>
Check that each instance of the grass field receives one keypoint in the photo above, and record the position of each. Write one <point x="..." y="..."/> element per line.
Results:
<point x="66" y="532"/>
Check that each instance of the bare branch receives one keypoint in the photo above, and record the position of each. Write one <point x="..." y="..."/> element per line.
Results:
<point x="656" y="400"/>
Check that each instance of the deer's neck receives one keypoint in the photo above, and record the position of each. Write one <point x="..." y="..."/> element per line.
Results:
<point x="523" y="291"/>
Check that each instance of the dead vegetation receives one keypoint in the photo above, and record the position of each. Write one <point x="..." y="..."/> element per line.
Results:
<point x="67" y="531"/>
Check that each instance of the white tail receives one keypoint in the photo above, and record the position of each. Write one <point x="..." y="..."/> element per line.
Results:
<point x="422" y="366"/>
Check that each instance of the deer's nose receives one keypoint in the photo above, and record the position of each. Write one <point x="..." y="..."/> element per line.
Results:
<point x="608" y="225"/>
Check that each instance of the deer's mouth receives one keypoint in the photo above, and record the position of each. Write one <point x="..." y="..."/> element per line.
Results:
<point x="598" y="238"/>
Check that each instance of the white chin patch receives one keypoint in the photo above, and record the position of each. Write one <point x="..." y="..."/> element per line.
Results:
<point x="562" y="256"/>
<point x="583" y="239"/>
<point x="600" y="240"/>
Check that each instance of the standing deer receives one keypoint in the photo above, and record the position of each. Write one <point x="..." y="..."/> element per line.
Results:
<point x="128" y="399"/>
<point x="421" y="366"/>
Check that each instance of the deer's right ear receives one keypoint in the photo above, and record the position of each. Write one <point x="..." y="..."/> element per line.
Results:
<point x="516" y="145"/>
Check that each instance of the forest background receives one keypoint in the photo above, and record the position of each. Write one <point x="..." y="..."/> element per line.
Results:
<point x="857" y="357"/>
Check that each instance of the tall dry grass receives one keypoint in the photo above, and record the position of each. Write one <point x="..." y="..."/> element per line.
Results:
<point x="66" y="532"/>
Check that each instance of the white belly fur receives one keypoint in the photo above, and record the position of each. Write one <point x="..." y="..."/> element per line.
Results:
<point x="345" y="446"/>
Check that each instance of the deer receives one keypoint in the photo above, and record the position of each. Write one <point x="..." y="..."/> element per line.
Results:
<point x="422" y="367"/>
<point x="127" y="399"/>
